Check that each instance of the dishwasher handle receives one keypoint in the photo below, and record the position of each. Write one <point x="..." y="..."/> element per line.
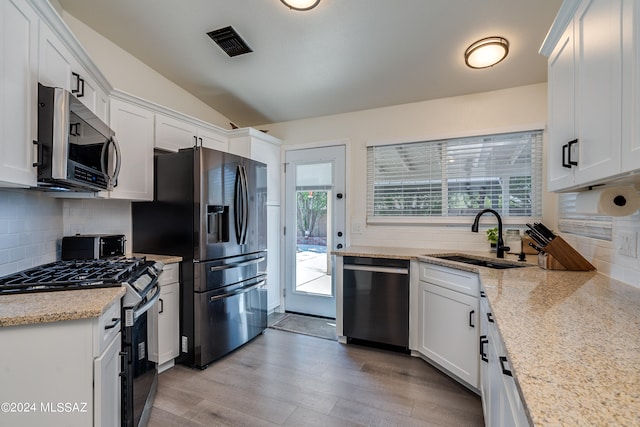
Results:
<point x="393" y="270"/>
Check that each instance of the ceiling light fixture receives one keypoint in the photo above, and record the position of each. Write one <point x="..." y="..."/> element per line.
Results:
<point x="300" y="4"/>
<point x="486" y="52"/>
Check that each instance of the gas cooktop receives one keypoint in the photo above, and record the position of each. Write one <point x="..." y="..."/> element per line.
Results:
<point x="74" y="274"/>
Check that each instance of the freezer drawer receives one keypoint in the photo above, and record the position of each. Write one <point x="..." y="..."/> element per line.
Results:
<point x="376" y="300"/>
<point x="225" y="321"/>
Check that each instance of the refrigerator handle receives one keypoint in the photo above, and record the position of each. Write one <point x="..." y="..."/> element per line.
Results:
<point x="237" y="204"/>
<point x="245" y="205"/>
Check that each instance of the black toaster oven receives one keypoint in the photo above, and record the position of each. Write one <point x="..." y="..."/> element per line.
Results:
<point x="93" y="246"/>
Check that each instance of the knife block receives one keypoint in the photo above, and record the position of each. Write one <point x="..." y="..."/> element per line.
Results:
<point x="564" y="257"/>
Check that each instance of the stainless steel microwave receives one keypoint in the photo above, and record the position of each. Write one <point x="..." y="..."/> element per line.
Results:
<point x="76" y="150"/>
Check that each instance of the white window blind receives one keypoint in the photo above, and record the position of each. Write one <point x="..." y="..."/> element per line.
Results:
<point x="456" y="177"/>
<point x="598" y="227"/>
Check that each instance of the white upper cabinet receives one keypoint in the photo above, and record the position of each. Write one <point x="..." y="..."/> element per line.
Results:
<point x="585" y="71"/>
<point x="58" y="67"/>
<point x="631" y="83"/>
<point x="173" y="133"/>
<point x="133" y="126"/>
<point x="257" y="145"/>
<point x="18" y="93"/>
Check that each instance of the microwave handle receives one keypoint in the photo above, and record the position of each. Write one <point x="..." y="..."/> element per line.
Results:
<point x="112" y="178"/>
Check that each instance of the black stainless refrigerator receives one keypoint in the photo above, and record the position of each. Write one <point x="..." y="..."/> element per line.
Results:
<point x="210" y="208"/>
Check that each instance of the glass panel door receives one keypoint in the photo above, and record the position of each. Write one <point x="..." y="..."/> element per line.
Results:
<point x="315" y="218"/>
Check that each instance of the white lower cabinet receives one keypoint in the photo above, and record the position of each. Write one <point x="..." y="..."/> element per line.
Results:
<point x="448" y="320"/>
<point x="165" y="320"/>
<point x="62" y="373"/>
<point x="501" y="401"/>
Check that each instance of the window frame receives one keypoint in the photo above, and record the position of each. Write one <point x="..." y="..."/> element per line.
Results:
<point x="456" y="220"/>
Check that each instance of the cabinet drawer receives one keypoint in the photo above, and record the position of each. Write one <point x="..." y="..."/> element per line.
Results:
<point x="170" y="274"/>
<point x="107" y="327"/>
<point x="450" y="278"/>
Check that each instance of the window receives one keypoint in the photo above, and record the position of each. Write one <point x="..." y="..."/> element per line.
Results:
<point x="596" y="226"/>
<point x="422" y="181"/>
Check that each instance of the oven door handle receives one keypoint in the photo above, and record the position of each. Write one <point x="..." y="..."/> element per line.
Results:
<point x="139" y="312"/>
<point x="237" y="292"/>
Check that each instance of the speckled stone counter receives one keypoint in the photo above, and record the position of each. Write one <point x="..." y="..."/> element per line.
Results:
<point x="44" y="307"/>
<point x="165" y="259"/>
<point x="572" y="339"/>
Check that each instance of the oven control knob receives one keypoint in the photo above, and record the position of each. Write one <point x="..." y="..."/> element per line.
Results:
<point x="339" y="246"/>
<point x="339" y="233"/>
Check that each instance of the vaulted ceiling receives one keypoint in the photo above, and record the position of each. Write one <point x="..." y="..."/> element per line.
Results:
<point x="342" y="56"/>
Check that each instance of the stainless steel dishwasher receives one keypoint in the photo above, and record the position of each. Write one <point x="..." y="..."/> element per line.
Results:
<point x="376" y="300"/>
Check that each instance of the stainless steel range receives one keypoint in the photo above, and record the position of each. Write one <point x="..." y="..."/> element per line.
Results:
<point x="140" y="277"/>
<point x="75" y="274"/>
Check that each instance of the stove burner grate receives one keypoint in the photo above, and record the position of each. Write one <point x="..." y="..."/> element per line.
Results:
<point x="72" y="274"/>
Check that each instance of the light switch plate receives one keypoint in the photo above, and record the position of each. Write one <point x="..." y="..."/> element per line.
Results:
<point x="628" y="243"/>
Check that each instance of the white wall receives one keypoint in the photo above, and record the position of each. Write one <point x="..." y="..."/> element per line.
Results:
<point x="129" y="74"/>
<point x="497" y="111"/>
<point x="449" y="117"/>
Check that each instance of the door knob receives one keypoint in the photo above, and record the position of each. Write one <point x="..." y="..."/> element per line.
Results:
<point x="339" y="195"/>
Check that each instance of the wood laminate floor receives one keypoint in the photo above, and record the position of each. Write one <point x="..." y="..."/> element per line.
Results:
<point x="282" y="378"/>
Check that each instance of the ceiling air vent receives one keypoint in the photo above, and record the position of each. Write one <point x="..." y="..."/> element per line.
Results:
<point x="229" y="41"/>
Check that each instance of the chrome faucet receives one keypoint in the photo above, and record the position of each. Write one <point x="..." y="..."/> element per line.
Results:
<point x="500" y="247"/>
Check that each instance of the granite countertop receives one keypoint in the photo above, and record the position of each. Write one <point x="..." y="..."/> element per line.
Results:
<point x="165" y="259"/>
<point x="572" y="338"/>
<point x="44" y="307"/>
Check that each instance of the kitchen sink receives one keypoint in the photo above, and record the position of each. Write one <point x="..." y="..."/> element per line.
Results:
<point x="482" y="262"/>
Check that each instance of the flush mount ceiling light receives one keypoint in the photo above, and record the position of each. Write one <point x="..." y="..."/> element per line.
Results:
<point x="300" y="4"/>
<point x="486" y="52"/>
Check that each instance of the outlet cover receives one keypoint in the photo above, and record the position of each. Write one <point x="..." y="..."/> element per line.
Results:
<point x="628" y="243"/>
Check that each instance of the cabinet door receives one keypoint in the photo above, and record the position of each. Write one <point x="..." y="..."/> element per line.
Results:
<point x="55" y="60"/>
<point x="269" y="154"/>
<point x="173" y="134"/>
<point x="168" y="323"/>
<point x="133" y="126"/>
<point x="449" y="337"/>
<point x="631" y="87"/>
<point x="599" y="89"/>
<point x="273" y="260"/>
<point x="106" y="393"/>
<point x="562" y="99"/>
<point x="88" y="92"/>
<point x="214" y="140"/>
<point x="18" y="93"/>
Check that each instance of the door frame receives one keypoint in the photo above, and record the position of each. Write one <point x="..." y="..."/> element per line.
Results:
<point x="347" y="232"/>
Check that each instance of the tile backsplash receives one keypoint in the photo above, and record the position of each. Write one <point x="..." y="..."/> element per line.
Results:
<point x="30" y="229"/>
<point x="33" y="223"/>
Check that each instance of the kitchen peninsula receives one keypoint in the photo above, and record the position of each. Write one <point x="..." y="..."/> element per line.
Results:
<point x="572" y="338"/>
